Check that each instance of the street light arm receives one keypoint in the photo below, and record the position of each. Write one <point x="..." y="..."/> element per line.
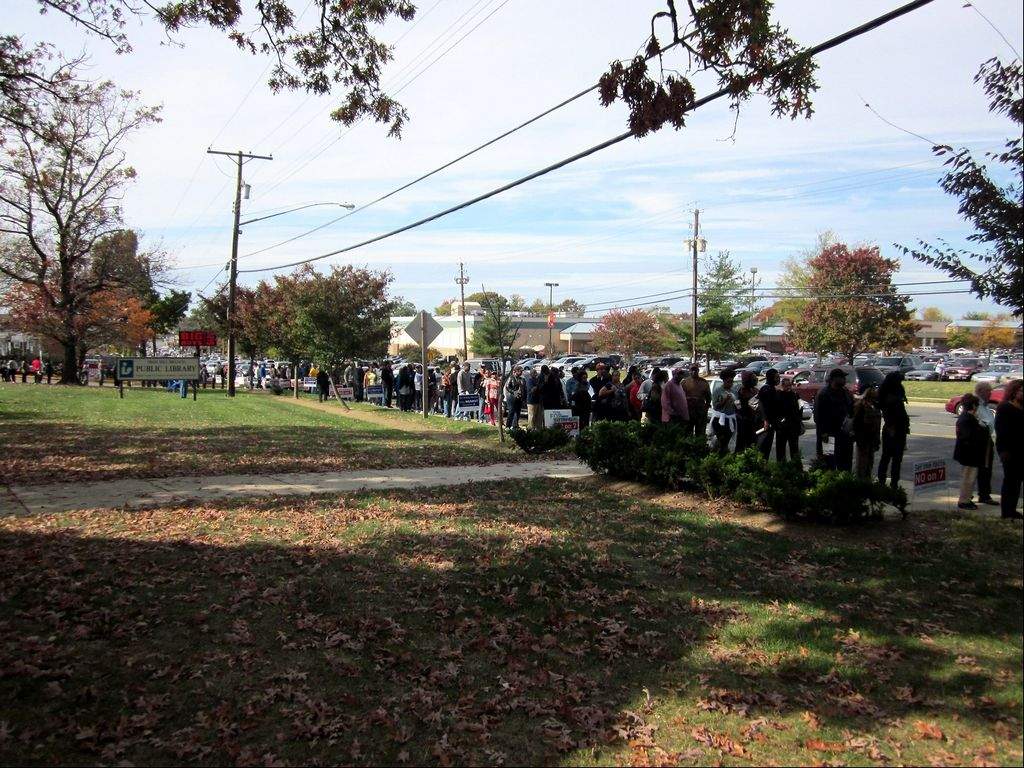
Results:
<point x="349" y="206"/>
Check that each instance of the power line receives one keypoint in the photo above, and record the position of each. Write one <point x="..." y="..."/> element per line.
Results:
<point x="396" y="91"/>
<point x="809" y="53"/>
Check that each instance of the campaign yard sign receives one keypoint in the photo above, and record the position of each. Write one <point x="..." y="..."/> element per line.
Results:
<point x="347" y="393"/>
<point x="930" y="472"/>
<point x="372" y="392"/>
<point x="309" y="383"/>
<point x="467" y="403"/>
<point x="562" y="418"/>
<point x="157" y="368"/>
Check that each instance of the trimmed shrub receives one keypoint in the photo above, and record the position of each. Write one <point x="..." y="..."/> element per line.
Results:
<point x="540" y="440"/>
<point x="658" y="454"/>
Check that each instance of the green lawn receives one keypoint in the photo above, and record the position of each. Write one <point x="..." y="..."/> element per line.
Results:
<point x="937" y="389"/>
<point x="88" y="433"/>
<point x="543" y="623"/>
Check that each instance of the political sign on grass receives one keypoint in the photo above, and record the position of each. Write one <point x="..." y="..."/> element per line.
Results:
<point x="562" y="418"/>
<point x="467" y="402"/>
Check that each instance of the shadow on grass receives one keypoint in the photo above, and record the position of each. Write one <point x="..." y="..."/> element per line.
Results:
<point x="511" y="622"/>
<point x="47" y="451"/>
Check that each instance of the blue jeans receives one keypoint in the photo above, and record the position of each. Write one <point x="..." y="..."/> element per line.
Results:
<point x="511" y="413"/>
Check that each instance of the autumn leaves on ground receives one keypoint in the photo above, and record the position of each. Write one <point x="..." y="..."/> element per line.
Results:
<point x="528" y="622"/>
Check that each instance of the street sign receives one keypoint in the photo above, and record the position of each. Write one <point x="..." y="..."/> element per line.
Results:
<point x="197" y="339"/>
<point x="424" y="328"/>
<point x="157" y="368"/>
<point x="929" y="472"/>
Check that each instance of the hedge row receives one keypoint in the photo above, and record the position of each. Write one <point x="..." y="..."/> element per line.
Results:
<point x="664" y="456"/>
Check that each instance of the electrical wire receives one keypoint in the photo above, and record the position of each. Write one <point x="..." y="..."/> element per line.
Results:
<point x="395" y="92"/>
<point x="809" y="53"/>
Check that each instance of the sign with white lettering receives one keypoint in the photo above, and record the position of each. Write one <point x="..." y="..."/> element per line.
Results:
<point x="468" y="402"/>
<point x="157" y="368"/>
<point x="372" y="392"/>
<point x="563" y="419"/>
<point x="929" y="472"/>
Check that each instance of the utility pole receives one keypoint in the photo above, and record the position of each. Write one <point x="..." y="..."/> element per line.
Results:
<point x="239" y="157"/>
<point x="693" y="309"/>
<point x="753" y="287"/>
<point x="551" y="326"/>
<point x="462" y="280"/>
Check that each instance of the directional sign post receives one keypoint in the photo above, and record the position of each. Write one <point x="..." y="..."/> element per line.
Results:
<point x="427" y="329"/>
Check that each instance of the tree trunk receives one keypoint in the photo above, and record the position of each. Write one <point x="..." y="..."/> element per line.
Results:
<point x="295" y="372"/>
<point x="70" y="373"/>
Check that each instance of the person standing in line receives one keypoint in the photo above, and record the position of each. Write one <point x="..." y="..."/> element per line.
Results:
<point x="987" y="419"/>
<point x="647" y="385"/>
<point x="581" y="402"/>
<point x="969" y="449"/>
<point x="387" y="378"/>
<point x="698" y="399"/>
<point x="598" y="382"/>
<point x="535" y="401"/>
<point x="492" y="388"/>
<point x="636" y="406"/>
<point x="791" y="423"/>
<point x="1009" y="442"/>
<point x="867" y="426"/>
<point x="49" y="372"/>
<point x="323" y="385"/>
<point x="723" y="411"/>
<point x="513" y="397"/>
<point x="892" y="401"/>
<point x="768" y="397"/>
<point x="673" y="401"/>
<point x="745" y="427"/>
<point x="464" y="382"/>
<point x="833" y="414"/>
<point x="24" y="373"/>
<point x="652" y="401"/>
<point x="569" y="385"/>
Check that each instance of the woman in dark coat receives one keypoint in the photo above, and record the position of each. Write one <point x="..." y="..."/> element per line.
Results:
<point x="892" y="400"/>
<point x="971" y="443"/>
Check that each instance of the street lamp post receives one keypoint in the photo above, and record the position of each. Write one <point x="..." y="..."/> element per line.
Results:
<point x="551" y="308"/>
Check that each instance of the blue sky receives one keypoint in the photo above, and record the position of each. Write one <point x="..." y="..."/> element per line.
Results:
<point x="608" y="228"/>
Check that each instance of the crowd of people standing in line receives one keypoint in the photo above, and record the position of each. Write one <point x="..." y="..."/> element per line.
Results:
<point x="21" y="370"/>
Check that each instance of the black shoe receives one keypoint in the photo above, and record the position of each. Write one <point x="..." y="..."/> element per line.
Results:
<point x="967" y="505"/>
<point x="1013" y="516"/>
<point x="989" y="500"/>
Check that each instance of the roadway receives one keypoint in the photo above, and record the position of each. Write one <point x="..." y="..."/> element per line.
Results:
<point x="932" y="435"/>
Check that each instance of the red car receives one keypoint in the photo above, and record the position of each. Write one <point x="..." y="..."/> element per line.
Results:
<point x="962" y="369"/>
<point x="953" y="406"/>
<point x="857" y="380"/>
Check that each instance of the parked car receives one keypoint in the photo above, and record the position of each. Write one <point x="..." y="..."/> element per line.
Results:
<point x="994" y="373"/>
<point x="757" y="366"/>
<point x="1016" y="372"/>
<point x="481" y="362"/>
<point x="962" y="369"/>
<point x="801" y="373"/>
<point x="902" y="363"/>
<point x="953" y="404"/>
<point x="567" y="362"/>
<point x="858" y="380"/>
<point x="925" y="372"/>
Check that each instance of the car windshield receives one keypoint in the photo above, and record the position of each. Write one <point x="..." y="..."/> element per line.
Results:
<point x="888" y="361"/>
<point x="967" y="361"/>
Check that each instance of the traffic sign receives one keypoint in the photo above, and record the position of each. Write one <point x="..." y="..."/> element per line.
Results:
<point x="424" y="327"/>
<point x="197" y="339"/>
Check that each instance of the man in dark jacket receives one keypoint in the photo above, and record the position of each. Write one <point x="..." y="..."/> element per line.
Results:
<point x="387" y="378"/>
<point x="969" y="450"/>
<point x="832" y="407"/>
<point x="768" y="397"/>
<point x="323" y="384"/>
<point x="1009" y="439"/>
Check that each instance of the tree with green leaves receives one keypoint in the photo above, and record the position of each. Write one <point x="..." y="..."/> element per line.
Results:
<point x="854" y="305"/>
<point x="723" y="325"/>
<point x="495" y="334"/>
<point x="992" y="264"/>
<point x="167" y="311"/>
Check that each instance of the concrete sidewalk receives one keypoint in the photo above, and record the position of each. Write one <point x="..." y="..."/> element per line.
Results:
<point x="135" y="493"/>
